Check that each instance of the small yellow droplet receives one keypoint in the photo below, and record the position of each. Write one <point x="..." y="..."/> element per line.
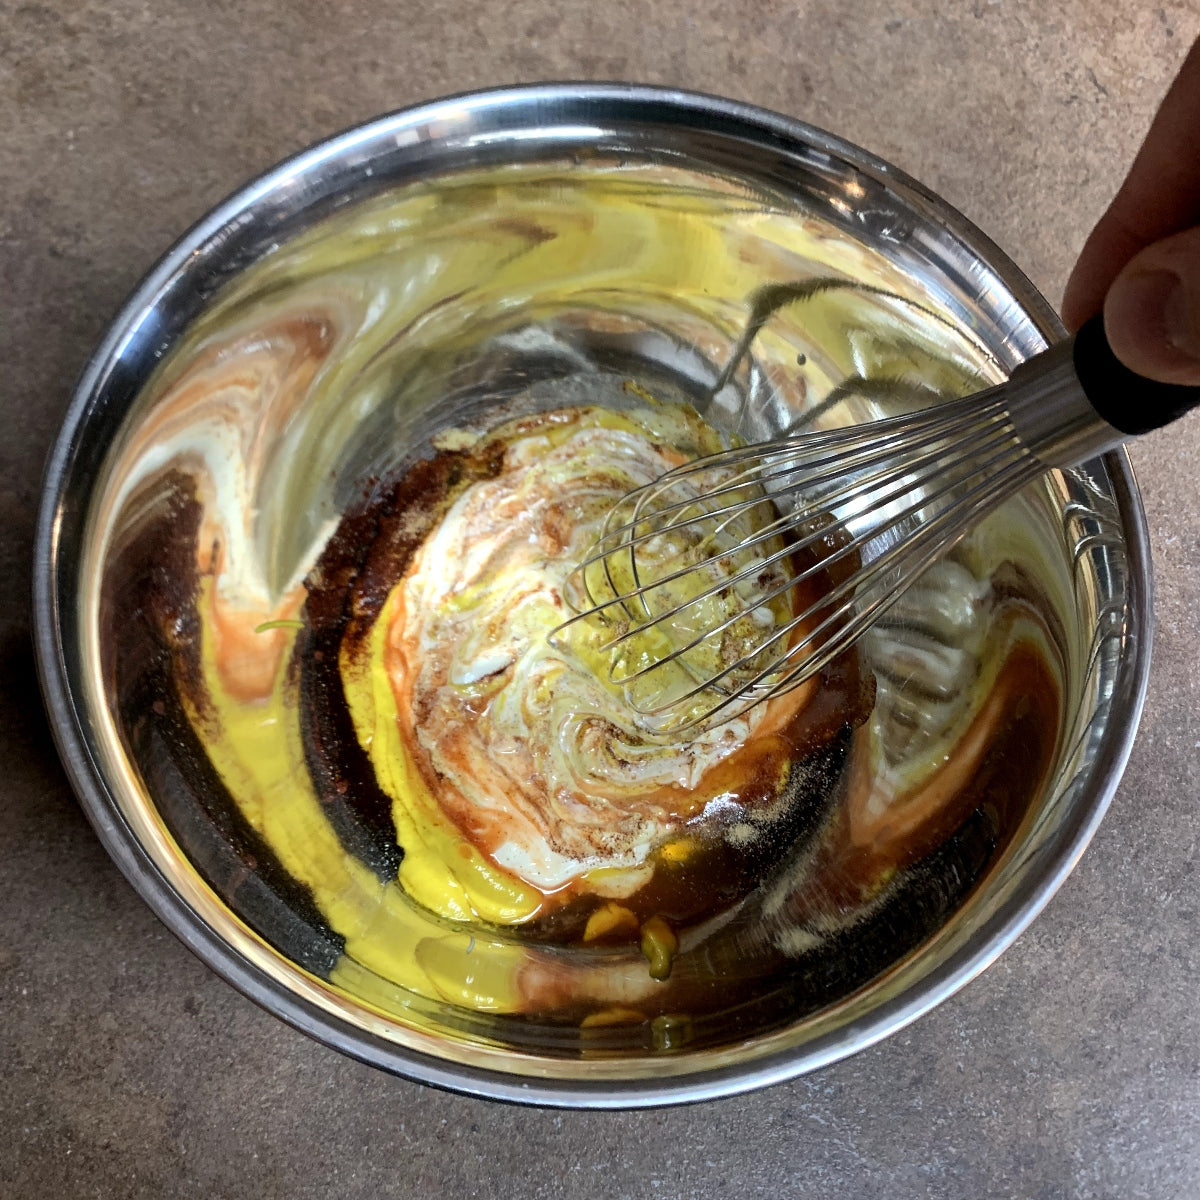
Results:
<point x="659" y="944"/>
<point x="609" y="918"/>
<point x="612" y="1016"/>
<point x="678" y="851"/>
<point x="671" y="1031"/>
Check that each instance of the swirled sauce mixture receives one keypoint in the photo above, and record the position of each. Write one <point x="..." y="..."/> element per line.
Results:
<point x="386" y="768"/>
<point x="518" y="748"/>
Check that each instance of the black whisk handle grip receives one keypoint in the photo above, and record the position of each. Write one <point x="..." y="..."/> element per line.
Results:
<point x="1129" y="402"/>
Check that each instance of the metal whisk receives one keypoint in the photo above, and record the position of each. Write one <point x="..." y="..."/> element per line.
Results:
<point x="741" y="575"/>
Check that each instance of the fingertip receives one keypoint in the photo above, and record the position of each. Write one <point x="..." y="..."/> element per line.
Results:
<point x="1152" y="311"/>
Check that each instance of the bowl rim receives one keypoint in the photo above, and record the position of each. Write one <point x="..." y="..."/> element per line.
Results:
<point x="55" y="631"/>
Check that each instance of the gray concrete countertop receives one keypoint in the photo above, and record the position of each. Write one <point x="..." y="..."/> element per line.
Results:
<point x="1069" y="1069"/>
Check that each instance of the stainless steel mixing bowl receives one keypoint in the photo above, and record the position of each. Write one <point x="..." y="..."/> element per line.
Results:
<point x="732" y="181"/>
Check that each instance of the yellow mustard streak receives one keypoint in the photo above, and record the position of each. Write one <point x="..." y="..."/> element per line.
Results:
<point x="256" y="749"/>
<point x="441" y="869"/>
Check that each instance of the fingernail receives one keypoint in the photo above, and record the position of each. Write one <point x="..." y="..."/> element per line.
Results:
<point x="1149" y="320"/>
<point x="1179" y="323"/>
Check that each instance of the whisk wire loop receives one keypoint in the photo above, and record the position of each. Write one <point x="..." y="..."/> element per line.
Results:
<point x="942" y="530"/>
<point x="1002" y="451"/>
<point x="901" y="478"/>
<point x="644" y="527"/>
<point x="711" y="561"/>
<point x="840" y="628"/>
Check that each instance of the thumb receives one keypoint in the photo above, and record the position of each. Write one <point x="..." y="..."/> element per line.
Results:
<point x="1152" y="310"/>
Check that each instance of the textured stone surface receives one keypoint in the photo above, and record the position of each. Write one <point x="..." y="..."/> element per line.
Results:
<point x="1070" y="1069"/>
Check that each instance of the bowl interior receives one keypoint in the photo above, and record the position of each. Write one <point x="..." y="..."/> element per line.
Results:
<point x="446" y="269"/>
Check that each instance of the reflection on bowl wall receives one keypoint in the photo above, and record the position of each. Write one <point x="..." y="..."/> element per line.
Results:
<point x="295" y="399"/>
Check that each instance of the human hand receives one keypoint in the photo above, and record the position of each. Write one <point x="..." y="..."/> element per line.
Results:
<point x="1141" y="264"/>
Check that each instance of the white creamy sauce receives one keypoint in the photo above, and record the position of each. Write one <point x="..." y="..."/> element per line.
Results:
<point x="535" y="740"/>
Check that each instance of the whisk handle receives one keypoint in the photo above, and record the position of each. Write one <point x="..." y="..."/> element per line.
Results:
<point x="1126" y="400"/>
<point x="1078" y="399"/>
